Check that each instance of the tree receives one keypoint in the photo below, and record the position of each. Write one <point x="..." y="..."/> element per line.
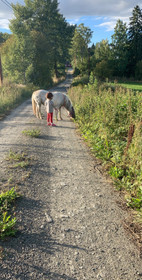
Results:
<point x="101" y="59"/>
<point x="102" y="51"/>
<point x="119" y="49"/>
<point x="135" y="39"/>
<point x="79" y="48"/>
<point x="40" y="23"/>
<point x="17" y="58"/>
<point x="3" y="37"/>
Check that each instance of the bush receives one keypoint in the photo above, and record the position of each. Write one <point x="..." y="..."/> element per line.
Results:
<point x="105" y="118"/>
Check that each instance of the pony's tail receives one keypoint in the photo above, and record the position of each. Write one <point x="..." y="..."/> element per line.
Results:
<point x="33" y="104"/>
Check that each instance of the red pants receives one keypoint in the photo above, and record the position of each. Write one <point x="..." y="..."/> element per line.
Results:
<point x="50" y="117"/>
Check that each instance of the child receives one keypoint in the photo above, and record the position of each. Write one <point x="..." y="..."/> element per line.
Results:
<point x="49" y="108"/>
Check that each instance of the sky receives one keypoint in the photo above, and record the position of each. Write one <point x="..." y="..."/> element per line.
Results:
<point x="99" y="15"/>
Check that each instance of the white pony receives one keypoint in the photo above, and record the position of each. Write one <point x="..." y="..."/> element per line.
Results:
<point x="59" y="100"/>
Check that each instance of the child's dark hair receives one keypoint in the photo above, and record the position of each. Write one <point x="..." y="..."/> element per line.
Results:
<point x="49" y="95"/>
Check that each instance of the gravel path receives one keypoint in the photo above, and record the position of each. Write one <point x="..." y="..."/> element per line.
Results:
<point x="70" y="224"/>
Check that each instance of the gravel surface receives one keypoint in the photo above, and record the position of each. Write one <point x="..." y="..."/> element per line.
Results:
<point x="70" y="225"/>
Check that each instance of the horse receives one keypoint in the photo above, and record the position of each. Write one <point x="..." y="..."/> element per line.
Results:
<point x="59" y="100"/>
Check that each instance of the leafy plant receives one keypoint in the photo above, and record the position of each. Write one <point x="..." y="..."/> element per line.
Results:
<point x="8" y="196"/>
<point x="14" y="156"/>
<point x="110" y="120"/>
<point x="21" y="159"/>
<point x="7" y="223"/>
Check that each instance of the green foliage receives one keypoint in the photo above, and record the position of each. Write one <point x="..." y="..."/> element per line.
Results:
<point x="135" y="39"/>
<point x="39" y="45"/>
<point x="137" y="86"/>
<point x="104" y="115"/>
<point x="81" y="80"/>
<point x="7" y="223"/>
<point x="119" y="51"/>
<point x="3" y="37"/>
<point x="103" y="70"/>
<point x="79" y="49"/>
<point x="138" y="70"/>
<point x="7" y="198"/>
<point x="17" y="56"/>
<point x="21" y="159"/>
<point x="11" y="95"/>
<point x="32" y="133"/>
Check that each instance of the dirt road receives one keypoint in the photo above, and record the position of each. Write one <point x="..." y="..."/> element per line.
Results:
<point x="70" y="224"/>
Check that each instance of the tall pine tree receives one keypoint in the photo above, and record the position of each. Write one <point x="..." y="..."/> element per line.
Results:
<point x="135" y="39"/>
<point x="119" y="49"/>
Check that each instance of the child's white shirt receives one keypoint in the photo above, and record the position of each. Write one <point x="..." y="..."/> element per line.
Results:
<point x="49" y="105"/>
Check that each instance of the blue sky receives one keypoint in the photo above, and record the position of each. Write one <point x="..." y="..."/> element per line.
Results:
<point x="99" y="15"/>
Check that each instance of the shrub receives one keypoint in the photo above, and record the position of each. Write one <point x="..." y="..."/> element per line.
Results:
<point x="105" y="116"/>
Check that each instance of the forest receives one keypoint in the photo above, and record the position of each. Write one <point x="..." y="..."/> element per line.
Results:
<point x="41" y="42"/>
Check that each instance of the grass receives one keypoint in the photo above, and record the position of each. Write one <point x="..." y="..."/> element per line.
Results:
<point x="110" y="120"/>
<point x="7" y="219"/>
<point x="11" y="95"/>
<point x="35" y="133"/>
<point x="18" y="159"/>
<point x="130" y="85"/>
<point x="9" y="194"/>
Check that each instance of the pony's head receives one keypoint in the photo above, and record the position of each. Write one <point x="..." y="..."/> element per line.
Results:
<point x="72" y="112"/>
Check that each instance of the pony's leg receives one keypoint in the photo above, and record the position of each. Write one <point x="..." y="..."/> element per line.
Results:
<point x="40" y="112"/>
<point x="60" y="114"/>
<point x="37" y="108"/>
<point x="56" y="114"/>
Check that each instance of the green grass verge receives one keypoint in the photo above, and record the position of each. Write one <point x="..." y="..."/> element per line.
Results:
<point x="12" y="95"/>
<point x="110" y="120"/>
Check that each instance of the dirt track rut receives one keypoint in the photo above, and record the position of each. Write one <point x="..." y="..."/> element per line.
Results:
<point x="70" y="225"/>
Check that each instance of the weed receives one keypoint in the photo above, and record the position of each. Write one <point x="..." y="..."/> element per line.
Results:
<point x="8" y="197"/>
<point x="7" y="223"/>
<point x="32" y="133"/>
<point x="21" y="159"/>
<point x="14" y="156"/>
<point x="110" y="120"/>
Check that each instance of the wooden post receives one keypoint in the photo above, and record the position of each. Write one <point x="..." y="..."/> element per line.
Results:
<point x="1" y="77"/>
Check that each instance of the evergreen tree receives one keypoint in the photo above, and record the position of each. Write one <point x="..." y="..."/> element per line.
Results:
<point x="119" y="48"/>
<point x="135" y="39"/>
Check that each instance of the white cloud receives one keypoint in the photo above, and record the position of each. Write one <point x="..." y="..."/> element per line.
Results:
<point x="73" y="8"/>
<point x="108" y="11"/>
<point x="110" y="22"/>
<point x="4" y="23"/>
<point x="109" y="25"/>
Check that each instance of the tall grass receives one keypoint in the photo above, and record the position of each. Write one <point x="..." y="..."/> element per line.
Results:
<point x="111" y="121"/>
<point x="12" y="95"/>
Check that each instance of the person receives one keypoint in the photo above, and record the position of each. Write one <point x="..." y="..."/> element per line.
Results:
<point x="49" y="108"/>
